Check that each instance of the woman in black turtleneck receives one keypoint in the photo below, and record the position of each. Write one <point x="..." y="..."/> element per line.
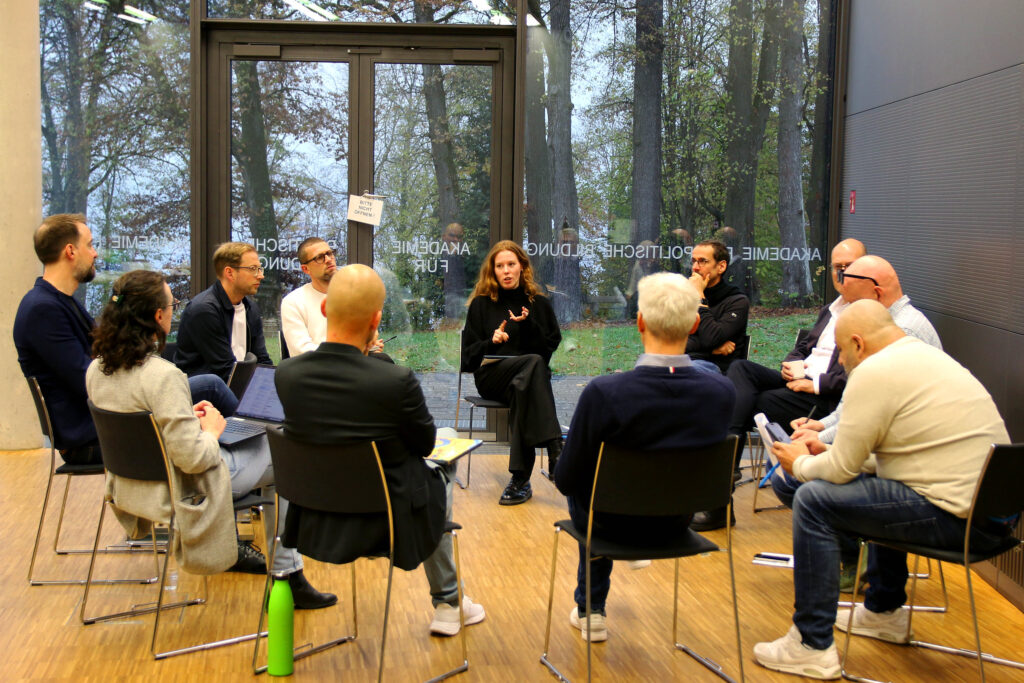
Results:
<point x="509" y="316"/>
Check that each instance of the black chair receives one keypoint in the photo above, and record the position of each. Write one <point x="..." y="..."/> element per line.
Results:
<point x="70" y="471"/>
<point x="133" y="448"/>
<point x="474" y="403"/>
<point x="170" y="348"/>
<point x="998" y="494"/>
<point x="343" y="479"/>
<point x="671" y="482"/>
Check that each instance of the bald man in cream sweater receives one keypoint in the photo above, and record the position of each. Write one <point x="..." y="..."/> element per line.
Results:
<point x="929" y="424"/>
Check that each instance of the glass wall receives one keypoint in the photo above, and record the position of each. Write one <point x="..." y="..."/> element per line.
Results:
<point x="115" y="111"/>
<point x="651" y="130"/>
<point x="403" y="11"/>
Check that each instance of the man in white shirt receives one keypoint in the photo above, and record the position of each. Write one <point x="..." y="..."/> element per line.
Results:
<point x="302" y="318"/>
<point x="929" y="424"/>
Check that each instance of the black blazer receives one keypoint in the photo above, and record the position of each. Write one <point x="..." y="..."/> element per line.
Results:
<point x="833" y="381"/>
<point x="53" y="335"/>
<point x="337" y="395"/>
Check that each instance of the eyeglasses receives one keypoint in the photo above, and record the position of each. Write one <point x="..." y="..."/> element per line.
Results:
<point x="838" y="268"/>
<point x="255" y="270"/>
<point x="700" y="261"/>
<point x="842" y="275"/>
<point x="321" y="258"/>
<point x="177" y="304"/>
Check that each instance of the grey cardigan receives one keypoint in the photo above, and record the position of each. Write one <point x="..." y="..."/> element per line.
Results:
<point x="206" y="539"/>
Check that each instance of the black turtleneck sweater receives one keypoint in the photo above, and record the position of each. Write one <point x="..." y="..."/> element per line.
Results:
<point x="724" y="319"/>
<point x="539" y="333"/>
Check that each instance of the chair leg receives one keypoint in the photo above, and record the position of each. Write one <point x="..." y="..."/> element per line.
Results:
<point x="551" y="598"/>
<point x="464" y="666"/>
<point x="60" y="517"/>
<point x="387" y="611"/>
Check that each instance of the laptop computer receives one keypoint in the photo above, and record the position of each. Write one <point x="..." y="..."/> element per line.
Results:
<point x="258" y="407"/>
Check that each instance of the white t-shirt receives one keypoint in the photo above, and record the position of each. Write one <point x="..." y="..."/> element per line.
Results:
<point x="302" y="322"/>
<point x="238" y="332"/>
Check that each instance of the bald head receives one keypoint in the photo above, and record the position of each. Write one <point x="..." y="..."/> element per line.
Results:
<point x="355" y="299"/>
<point x="884" y="285"/>
<point x="843" y="254"/>
<point x="864" y="329"/>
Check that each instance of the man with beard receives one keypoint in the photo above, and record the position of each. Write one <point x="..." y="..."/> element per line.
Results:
<point x="303" y="311"/>
<point x="722" y="333"/>
<point x="53" y="333"/>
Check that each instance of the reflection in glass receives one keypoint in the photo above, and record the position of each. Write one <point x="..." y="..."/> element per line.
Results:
<point x="400" y="11"/>
<point x="432" y="160"/>
<point x="289" y="167"/>
<point x="116" y="134"/>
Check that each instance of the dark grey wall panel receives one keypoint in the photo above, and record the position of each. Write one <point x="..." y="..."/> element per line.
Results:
<point x="939" y="179"/>
<point x="902" y="48"/>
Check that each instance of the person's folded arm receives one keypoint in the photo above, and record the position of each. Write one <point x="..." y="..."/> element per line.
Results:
<point x="728" y="323"/>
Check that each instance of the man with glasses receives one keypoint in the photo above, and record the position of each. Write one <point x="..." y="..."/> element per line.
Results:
<point x="721" y="335"/>
<point x="811" y="378"/>
<point x="303" y="311"/>
<point x="222" y="324"/>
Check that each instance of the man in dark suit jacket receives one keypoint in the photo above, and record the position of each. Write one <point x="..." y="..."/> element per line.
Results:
<point x="811" y="377"/>
<point x="336" y="394"/>
<point x="53" y="333"/>
<point x="618" y="409"/>
<point x="222" y="324"/>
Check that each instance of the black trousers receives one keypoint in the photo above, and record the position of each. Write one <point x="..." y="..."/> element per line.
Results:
<point x="524" y="383"/>
<point x="86" y="454"/>
<point x="762" y="390"/>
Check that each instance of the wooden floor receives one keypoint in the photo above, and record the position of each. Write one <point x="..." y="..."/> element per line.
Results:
<point x="506" y="555"/>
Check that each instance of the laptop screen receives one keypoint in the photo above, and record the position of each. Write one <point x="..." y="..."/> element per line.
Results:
<point x="259" y="400"/>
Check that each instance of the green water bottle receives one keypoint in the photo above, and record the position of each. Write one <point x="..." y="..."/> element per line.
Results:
<point x="280" y="628"/>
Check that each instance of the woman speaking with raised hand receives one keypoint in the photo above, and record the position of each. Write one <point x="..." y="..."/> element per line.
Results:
<point x="511" y="332"/>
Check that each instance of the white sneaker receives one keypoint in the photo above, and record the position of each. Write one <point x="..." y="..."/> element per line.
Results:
<point x="789" y="655"/>
<point x="639" y="564"/>
<point x="446" y="617"/>
<point x="598" y="629"/>
<point x="888" y="626"/>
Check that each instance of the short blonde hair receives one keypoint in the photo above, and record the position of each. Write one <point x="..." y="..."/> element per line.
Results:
<point x="230" y="254"/>
<point x="668" y="303"/>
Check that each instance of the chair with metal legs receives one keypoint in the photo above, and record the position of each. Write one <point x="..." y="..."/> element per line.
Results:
<point x="673" y="482"/>
<point x="133" y="448"/>
<point x="343" y="479"/>
<point x="474" y="402"/>
<point x="70" y="471"/>
<point x="998" y="494"/>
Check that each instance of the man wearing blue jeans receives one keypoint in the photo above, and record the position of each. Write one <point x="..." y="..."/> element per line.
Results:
<point x="929" y="423"/>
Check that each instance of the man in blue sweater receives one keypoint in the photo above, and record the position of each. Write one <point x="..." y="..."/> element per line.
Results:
<point x="664" y="402"/>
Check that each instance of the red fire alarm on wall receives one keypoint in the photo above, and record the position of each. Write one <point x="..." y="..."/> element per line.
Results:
<point x="853" y="201"/>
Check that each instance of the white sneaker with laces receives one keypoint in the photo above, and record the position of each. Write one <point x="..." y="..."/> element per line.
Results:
<point x="789" y="655"/>
<point x="598" y="627"/>
<point x="888" y="626"/>
<point x="446" y="617"/>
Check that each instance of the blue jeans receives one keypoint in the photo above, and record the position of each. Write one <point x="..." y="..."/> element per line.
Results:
<point x="213" y="389"/>
<point x="706" y="366"/>
<point x="867" y="506"/>
<point x="785" y="486"/>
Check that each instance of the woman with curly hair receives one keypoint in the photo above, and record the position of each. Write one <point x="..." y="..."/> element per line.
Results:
<point x="129" y="375"/>
<point x="511" y="332"/>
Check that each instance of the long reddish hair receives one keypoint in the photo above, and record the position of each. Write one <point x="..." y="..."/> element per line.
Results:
<point x="487" y="284"/>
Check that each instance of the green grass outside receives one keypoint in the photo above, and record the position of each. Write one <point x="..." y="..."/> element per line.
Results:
<point x="587" y="350"/>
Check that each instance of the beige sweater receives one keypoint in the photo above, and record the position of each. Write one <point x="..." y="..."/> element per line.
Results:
<point x="207" y="542"/>
<point x="926" y="419"/>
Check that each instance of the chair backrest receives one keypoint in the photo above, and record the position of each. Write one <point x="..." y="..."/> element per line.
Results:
<point x="744" y="353"/>
<point x="131" y="444"/>
<point x="676" y="481"/>
<point x="240" y="375"/>
<point x="1000" y="492"/>
<point x="341" y="478"/>
<point x="170" y="348"/>
<point x="41" y="411"/>
<point x="284" y="345"/>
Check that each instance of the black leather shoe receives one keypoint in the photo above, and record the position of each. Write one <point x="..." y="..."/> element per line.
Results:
<point x="711" y="520"/>
<point x="516" y="493"/>
<point x="307" y="597"/>
<point x="554" y="450"/>
<point x="250" y="560"/>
